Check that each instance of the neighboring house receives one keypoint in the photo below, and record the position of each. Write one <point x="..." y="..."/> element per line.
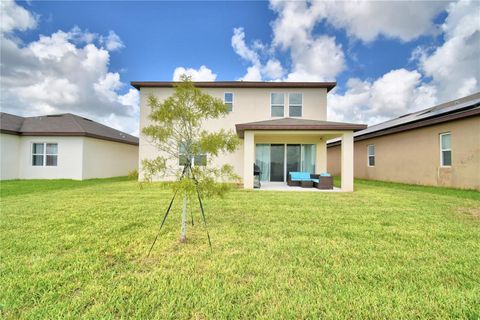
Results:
<point x="63" y="146"/>
<point x="438" y="146"/>
<point x="282" y="126"/>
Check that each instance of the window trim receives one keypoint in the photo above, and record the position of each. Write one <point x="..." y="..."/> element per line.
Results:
<point x="441" y="135"/>
<point x="295" y="105"/>
<point x="44" y="154"/>
<point x="277" y="105"/>
<point x="374" y="155"/>
<point x="233" y="99"/>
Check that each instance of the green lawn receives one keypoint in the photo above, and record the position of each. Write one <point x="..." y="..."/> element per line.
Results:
<point x="71" y="249"/>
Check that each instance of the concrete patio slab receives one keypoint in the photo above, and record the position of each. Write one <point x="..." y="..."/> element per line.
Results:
<point x="282" y="186"/>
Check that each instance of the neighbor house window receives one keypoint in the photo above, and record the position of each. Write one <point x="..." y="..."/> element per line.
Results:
<point x="277" y="101"/>
<point x="446" y="149"/>
<point x="228" y="100"/>
<point x="45" y="154"/>
<point x="197" y="160"/>
<point x="295" y="101"/>
<point x="371" y="155"/>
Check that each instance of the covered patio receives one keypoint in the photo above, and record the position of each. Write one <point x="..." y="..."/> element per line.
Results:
<point x="287" y="145"/>
<point x="282" y="186"/>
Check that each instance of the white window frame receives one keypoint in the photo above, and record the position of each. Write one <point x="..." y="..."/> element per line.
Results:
<point x="232" y="102"/>
<point x="44" y="154"/>
<point x="277" y="105"/>
<point x="374" y="155"/>
<point x="295" y="105"/>
<point x="441" y="150"/>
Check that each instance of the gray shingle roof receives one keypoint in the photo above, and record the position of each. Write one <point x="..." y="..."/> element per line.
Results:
<point x="61" y="125"/>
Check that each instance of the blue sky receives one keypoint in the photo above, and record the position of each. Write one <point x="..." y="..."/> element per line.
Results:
<point x="387" y="58"/>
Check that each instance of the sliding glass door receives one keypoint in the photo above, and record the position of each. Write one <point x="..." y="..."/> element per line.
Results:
<point x="262" y="160"/>
<point x="308" y="157"/>
<point x="277" y="162"/>
<point x="294" y="158"/>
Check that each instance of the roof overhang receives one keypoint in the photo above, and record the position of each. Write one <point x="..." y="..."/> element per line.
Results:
<point x="68" y="134"/>
<point x="296" y="125"/>
<point x="235" y="84"/>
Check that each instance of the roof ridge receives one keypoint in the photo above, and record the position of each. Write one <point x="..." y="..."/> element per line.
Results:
<point x="101" y="124"/>
<point x="74" y="118"/>
<point x="11" y="114"/>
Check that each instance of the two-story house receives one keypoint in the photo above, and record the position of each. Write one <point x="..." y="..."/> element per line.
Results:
<point x="282" y="126"/>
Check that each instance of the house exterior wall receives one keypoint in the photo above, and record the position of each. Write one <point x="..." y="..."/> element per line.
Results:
<point x="9" y="151"/>
<point x="249" y="105"/>
<point x="78" y="158"/>
<point x="70" y="153"/>
<point x="104" y="159"/>
<point x="414" y="156"/>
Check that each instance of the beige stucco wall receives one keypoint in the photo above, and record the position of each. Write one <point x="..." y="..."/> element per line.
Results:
<point x="414" y="156"/>
<point x="9" y="151"/>
<point x="70" y="150"/>
<point x="249" y="105"/>
<point x="78" y="158"/>
<point x="104" y="159"/>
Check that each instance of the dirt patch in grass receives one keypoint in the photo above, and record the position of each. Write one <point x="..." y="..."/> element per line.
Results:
<point x="472" y="212"/>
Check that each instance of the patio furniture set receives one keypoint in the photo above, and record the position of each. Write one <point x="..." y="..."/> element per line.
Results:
<point x="307" y="180"/>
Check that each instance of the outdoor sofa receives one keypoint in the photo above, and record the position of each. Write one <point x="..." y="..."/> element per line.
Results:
<point x="306" y="179"/>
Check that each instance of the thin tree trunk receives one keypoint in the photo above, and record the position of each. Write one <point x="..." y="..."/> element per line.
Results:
<point x="183" y="231"/>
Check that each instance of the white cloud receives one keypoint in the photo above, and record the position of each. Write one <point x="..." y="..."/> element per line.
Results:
<point x="446" y="72"/>
<point x="318" y="60"/>
<point x="107" y="86"/>
<point x="253" y="74"/>
<point x="65" y="72"/>
<point x="112" y="42"/>
<point x="312" y="58"/>
<point x="455" y="66"/>
<point x="50" y="91"/>
<point x="273" y="69"/>
<point x="13" y="16"/>
<point x="55" y="46"/>
<point x="395" y="93"/>
<point x="240" y="47"/>
<point x="364" y="20"/>
<point x="367" y="20"/>
<point x="202" y="74"/>
<point x="131" y="98"/>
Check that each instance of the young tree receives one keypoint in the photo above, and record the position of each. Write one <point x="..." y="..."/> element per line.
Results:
<point x="186" y="150"/>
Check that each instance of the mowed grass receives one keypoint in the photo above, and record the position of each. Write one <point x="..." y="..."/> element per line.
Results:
<point x="78" y="249"/>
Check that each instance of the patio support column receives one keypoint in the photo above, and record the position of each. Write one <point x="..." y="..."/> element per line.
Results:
<point x="347" y="161"/>
<point x="321" y="163"/>
<point x="248" y="159"/>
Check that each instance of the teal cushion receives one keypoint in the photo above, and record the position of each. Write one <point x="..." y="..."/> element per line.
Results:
<point x="295" y="176"/>
<point x="314" y="180"/>
<point x="325" y="174"/>
<point x="304" y="175"/>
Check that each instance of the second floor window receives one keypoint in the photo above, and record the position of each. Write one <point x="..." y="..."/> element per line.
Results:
<point x="44" y="154"/>
<point x="277" y="101"/>
<point x="295" y="101"/>
<point x="446" y="149"/>
<point x="228" y="100"/>
<point x="371" y="155"/>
